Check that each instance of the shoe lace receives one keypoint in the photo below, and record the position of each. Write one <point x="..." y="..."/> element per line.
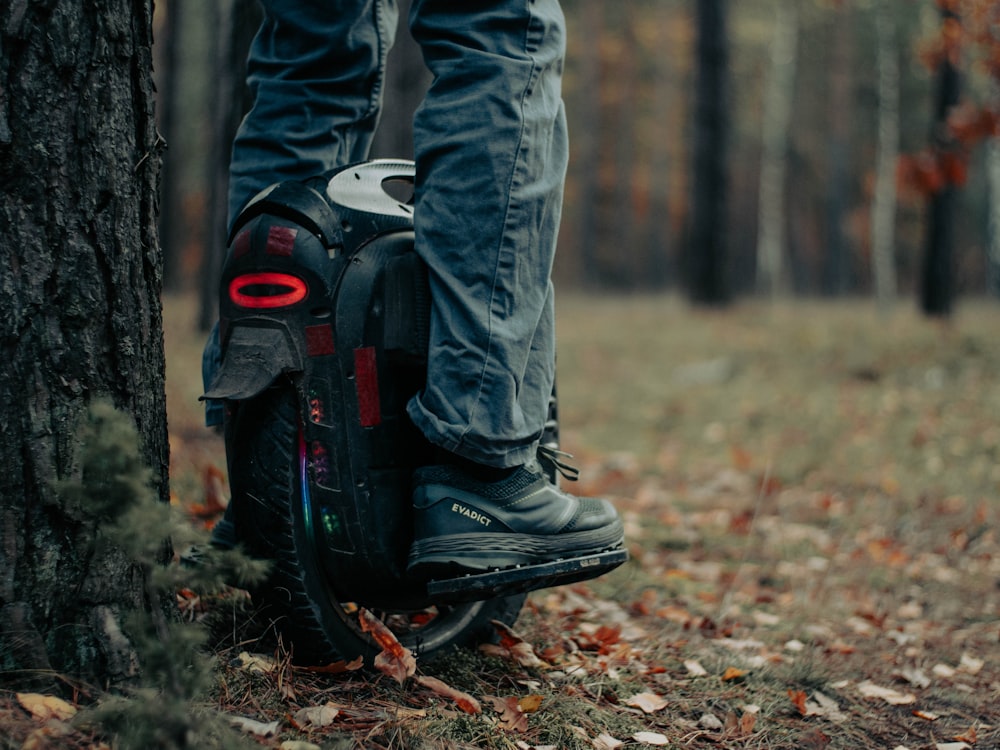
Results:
<point x="555" y="457"/>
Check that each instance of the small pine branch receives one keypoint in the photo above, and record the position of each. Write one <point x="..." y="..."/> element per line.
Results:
<point x="114" y="494"/>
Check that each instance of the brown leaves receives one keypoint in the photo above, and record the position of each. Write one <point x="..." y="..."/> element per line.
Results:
<point x="464" y="701"/>
<point x="512" y="647"/>
<point x="395" y="660"/>
<point x="513" y="717"/>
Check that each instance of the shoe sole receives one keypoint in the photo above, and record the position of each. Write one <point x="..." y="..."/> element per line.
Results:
<point x="484" y="552"/>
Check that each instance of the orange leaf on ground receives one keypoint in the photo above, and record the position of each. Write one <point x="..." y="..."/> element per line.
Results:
<point x="463" y="700"/>
<point x="396" y="660"/>
<point x="512" y="646"/>
<point x="530" y="703"/>
<point x="733" y="673"/>
<point x="339" y="667"/>
<point x="512" y="717"/>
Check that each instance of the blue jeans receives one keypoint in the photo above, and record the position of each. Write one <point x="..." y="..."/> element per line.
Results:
<point x="491" y="152"/>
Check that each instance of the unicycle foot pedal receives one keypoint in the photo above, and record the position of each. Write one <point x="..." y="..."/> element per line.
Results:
<point x="525" y="578"/>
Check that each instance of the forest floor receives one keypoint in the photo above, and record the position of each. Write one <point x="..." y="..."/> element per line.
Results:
<point x="810" y="495"/>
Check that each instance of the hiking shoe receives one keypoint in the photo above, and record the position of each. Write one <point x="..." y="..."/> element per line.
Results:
<point x="468" y="524"/>
<point x="224" y="531"/>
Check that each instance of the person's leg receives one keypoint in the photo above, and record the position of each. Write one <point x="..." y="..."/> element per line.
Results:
<point x="491" y="154"/>
<point x="315" y="72"/>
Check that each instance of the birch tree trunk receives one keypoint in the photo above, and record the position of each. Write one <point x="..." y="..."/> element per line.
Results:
<point x="777" y="116"/>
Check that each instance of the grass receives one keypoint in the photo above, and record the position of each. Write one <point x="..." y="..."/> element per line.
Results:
<point x="810" y="492"/>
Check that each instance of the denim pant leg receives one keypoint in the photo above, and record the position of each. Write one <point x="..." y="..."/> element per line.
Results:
<point x="315" y="71"/>
<point x="491" y="152"/>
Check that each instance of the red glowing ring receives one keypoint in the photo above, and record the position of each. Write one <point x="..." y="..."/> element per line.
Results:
<point x="296" y="287"/>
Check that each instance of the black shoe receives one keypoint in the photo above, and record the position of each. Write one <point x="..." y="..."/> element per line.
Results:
<point x="473" y="526"/>
<point x="224" y="531"/>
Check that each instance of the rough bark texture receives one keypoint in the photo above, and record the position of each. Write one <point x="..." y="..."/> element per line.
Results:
<point x="937" y="288"/>
<point x="80" y="280"/>
<point x="707" y="261"/>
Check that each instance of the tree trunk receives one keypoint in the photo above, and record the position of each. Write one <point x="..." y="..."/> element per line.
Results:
<point x="170" y="227"/>
<point x="884" y="200"/>
<point x="777" y="115"/>
<point x="707" y="257"/>
<point x="937" y="282"/>
<point x="586" y="142"/>
<point x="80" y="281"/>
<point x="993" y="219"/>
<point x="627" y="272"/>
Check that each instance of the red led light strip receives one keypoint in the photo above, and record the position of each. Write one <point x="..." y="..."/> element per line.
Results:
<point x="296" y="287"/>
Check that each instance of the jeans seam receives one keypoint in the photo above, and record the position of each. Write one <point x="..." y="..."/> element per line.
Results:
<point x="525" y="93"/>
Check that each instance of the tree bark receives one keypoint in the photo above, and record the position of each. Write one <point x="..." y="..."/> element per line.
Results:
<point x="707" y="262"/>
<point x="170" y="226"/>
<point x="937" y="282"/>
<point x="80" y="280"/>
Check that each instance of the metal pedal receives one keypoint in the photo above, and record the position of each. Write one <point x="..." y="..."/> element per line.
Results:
<point x="520" y="580"/>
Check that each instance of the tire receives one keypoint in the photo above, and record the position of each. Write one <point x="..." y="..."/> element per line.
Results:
<point x="265" y="469"/>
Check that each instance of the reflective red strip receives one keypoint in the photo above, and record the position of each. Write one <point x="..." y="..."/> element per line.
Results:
<point x="319" y="340"/>
<point x="293" y="290"/>
<point x="366" y="381"/>
<point x="281" y="240"/>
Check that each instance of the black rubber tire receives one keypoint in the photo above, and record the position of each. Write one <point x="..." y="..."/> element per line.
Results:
<point x="267" y="514"/>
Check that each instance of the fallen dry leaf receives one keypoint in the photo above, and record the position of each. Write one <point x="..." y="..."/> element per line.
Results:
<point x="606" y="742"/>
<point x="530" y="703"/>
<point x="252" y="726"/>
<point x="395" y="660"/>
<point x="890" y="696"/>
<point x="651" y="738"/>
<point x="513" y="647"/>
<point x="318" y="716"/>
<point x="339" y="667"/>
<point x="648" y="703"/>
<point x="512" y="717"/>
<point x="45" y="707"/>
<point x="694" y="668"/>
<point x="257" y="662"/>
<point x="733" y="673"/>
<point x="463" y="700"/>
<point x="969" y="735"/>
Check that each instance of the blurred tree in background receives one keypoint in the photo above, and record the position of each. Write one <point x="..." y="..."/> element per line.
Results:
<point x="859" y="98"/>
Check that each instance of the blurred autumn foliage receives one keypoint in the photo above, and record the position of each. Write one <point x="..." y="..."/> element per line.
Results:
<point x="968" y="37"/>
<point x="630" y="86"/>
